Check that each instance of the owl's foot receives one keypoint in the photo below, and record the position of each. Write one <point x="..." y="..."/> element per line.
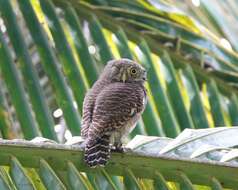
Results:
<point x="117" y="148"/>
<point x="122" y="149"/>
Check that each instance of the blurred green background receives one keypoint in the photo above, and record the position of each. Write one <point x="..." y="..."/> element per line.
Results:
<point x="51" y="52"/>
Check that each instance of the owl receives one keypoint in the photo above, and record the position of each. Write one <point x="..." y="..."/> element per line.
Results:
<point x="112" y="108"/>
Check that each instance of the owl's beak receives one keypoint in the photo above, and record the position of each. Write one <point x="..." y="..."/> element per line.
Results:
<point x="124" y="77"/>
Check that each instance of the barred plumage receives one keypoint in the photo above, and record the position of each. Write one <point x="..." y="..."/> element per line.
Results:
<point x="111" y="108"/>
<point x="97" y="151"/>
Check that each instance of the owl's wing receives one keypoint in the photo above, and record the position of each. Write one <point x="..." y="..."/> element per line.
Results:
<point x="116" y="105"/>
<point x="88" y="107"/>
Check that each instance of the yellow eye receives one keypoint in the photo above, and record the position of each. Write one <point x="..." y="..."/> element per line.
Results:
<point x="133" y="71"/>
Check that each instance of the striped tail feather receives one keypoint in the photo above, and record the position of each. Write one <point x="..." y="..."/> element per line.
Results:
<point x="97" y="151"/>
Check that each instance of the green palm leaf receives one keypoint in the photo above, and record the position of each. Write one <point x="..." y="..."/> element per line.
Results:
<point x="52" y="51"/>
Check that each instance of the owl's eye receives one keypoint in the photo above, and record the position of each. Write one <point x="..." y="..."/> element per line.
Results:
<point x="133" y="71"/>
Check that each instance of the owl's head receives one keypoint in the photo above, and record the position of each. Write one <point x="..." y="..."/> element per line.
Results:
<point x="124" y="70"/>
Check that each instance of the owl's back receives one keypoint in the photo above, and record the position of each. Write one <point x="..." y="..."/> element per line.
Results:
<point x="119" y="101"/>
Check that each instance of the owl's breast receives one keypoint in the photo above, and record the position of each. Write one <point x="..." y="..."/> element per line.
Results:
<point x="123" y="131"/>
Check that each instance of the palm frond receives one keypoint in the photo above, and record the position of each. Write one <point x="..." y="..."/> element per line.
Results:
<point x="52" y="51"/>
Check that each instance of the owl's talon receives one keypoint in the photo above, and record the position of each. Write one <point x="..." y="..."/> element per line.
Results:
<point x="126" y="149"/>
<point x="117" y="148"/>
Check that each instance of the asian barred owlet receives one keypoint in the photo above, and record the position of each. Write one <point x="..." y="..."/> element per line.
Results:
<point x="112" y="108"/>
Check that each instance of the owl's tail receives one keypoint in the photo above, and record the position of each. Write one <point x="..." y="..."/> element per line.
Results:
<point x="97" y="151"/>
